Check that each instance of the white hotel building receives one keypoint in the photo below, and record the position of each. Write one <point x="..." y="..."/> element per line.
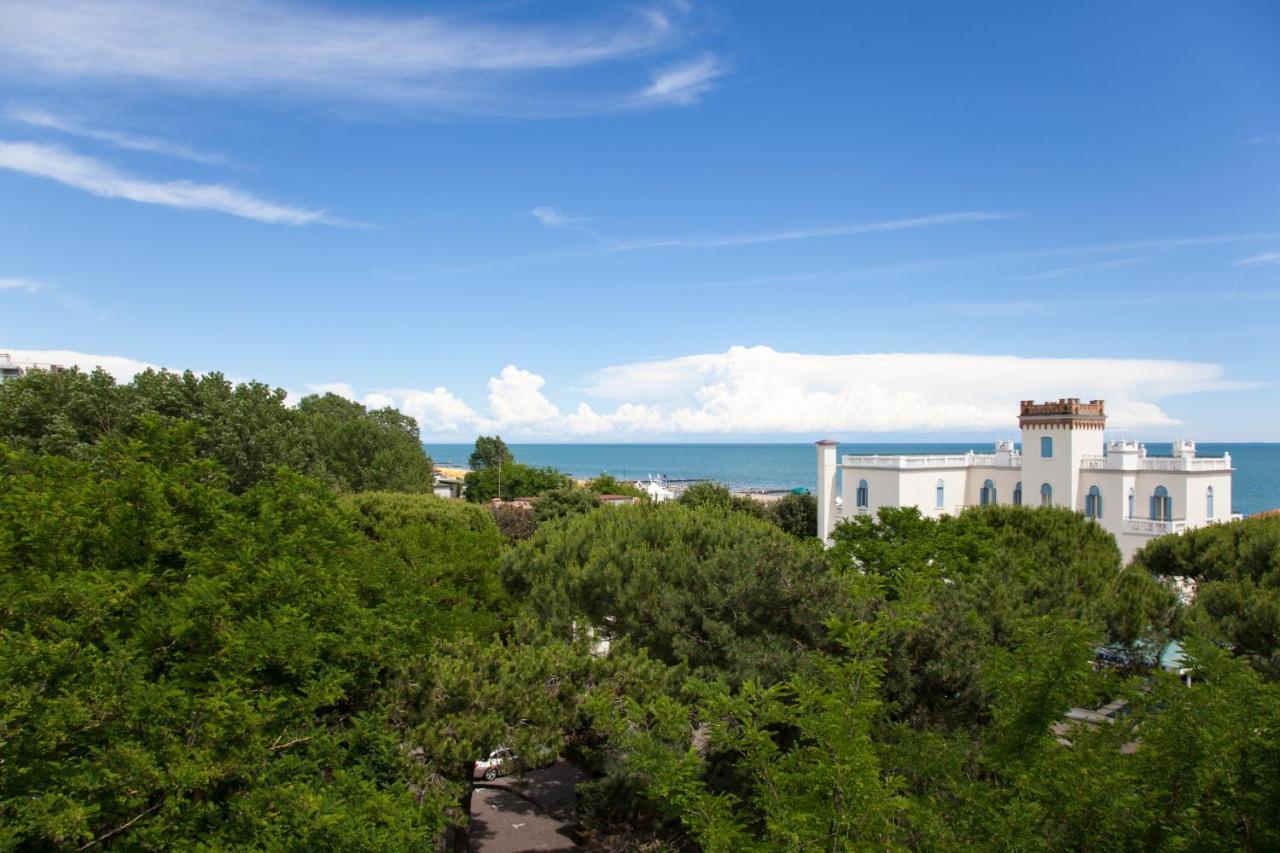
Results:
<point x="1064" y="462"/>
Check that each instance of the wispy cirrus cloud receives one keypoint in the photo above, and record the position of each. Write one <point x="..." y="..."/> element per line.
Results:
<point x="555" y="218"/>
<point x="1263" y="259"/>
<point x="93" y="176"/>
<point x="24" y="284"/>
<point x="49" y="290"/>
<point x="128" y="141"/>
<point x="1065" y="272"/>
<point x="448" y="62"/>
<point x="684" y="83"/>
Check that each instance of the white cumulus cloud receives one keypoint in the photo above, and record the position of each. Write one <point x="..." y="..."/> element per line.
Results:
<point x="438" y="411"/>
<point x="122" y="368"/>
<point x="515" y="398"/>
<point x="760" y="391"/>
<point x="342" y="389"/>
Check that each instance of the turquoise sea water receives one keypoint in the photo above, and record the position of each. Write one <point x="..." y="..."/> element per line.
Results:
<point x="1255" y="487"/>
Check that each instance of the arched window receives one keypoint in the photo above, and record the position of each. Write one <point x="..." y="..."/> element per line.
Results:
<point x="862" y="493"/>
<point x="1046" y="447"/>
<point x="1208" y="502"/>
<point x="1161" y="505"/>
<point x="1093" y="503"/>
<point x="1017" y="494"/>
<point x="988" y="494"/>
<point x="941" y="490"/>
<point x="1131" y="500"/>
<point x="1046" y="495"/>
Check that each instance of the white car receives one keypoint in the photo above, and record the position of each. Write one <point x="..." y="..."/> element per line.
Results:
<point x="499" y="763"/>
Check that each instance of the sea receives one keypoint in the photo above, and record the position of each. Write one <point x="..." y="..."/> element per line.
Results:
<point x="1255" y="486"/>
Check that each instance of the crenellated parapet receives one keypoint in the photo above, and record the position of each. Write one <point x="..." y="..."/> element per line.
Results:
<point x="1067" y="412"/>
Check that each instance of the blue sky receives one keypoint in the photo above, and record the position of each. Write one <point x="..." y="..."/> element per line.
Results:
<point x="662" y="220"/>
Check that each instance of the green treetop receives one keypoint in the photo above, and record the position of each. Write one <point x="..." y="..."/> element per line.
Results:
<point x="490" y="452"/>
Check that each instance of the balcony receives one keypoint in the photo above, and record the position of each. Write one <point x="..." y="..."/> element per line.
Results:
<point x="1154" y="527"/>
<point x="1157" y="463"/>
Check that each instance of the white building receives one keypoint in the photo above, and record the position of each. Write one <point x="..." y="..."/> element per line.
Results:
<point x="1064" y="462"/>
<point x="10" y="369"/>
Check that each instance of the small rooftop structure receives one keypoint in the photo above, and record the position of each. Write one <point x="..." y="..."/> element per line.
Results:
<point x="618" y="500"/>
<point x="1067" y="412"/>
<point x="11" y="369"/>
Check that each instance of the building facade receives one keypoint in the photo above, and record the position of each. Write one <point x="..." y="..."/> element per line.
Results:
<point x="1064" y="461"/>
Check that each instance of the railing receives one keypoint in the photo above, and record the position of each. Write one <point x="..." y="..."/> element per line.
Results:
<point x="1185" y="463"/>
<point x="860" y="510"/>
<point x="923" y="461"/>
<point x="1159" y="463"/>
<point x="906" y="462"/>
<point x="1154" y="527"/>
<point x="993" y="460"/>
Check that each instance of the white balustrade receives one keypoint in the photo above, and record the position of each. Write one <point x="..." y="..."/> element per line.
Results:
<point x="1154" y="527"/>
<point x="1185" y="463"/>
<point x="911" y="462"/>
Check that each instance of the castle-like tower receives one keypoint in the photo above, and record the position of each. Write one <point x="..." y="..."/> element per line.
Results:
<point x="1056" y="438"/>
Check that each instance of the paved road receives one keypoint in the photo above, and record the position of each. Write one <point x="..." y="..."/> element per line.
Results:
<point x="541" y="819"/>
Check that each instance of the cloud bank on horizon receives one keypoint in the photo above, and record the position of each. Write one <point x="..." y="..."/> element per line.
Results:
<point x="760" y="391"/>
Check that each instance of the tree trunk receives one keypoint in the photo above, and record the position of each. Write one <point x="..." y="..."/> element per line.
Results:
<point x="457" y="838"/>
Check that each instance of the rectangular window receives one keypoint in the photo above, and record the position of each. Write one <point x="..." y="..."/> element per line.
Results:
<point x="1046" y="447"/>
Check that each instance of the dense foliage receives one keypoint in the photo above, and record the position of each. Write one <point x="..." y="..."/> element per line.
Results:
<point x="226" y="623"/>
<point x="796" y="514"/>
<point x="562" y="503"/>
<point x="512" y="480"/>
<point x="975" y="579"/>
<point x="361" y="450"/>
<point x="716" y="592"/>
<point x="838" y="753"/>
<point x="514" y="522"/>
<point x="707" y="495"/>
<point x="607" y="484"/>
<point x="1236" y="568"/>
<point x="490" y="452"/>
<point x="246" y="428"/>
<point x="209" y="661"/>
